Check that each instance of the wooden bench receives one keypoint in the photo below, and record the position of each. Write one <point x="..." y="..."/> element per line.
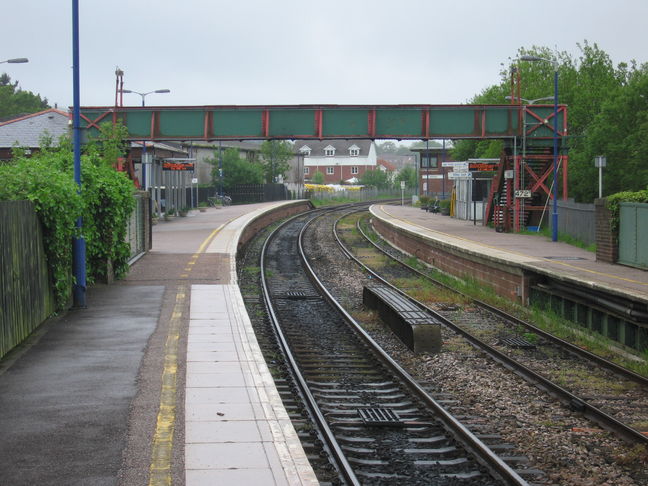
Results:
<point x="413" y="325"/>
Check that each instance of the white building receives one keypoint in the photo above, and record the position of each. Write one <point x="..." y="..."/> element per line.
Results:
<point x="339" y="160"/>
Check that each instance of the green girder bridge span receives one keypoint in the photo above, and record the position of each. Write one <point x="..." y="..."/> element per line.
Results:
<point x="526" y="129"/>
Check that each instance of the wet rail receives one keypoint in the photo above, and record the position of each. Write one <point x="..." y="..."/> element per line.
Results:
<point x="378" y="423"/>
<point x="494" y="332"/>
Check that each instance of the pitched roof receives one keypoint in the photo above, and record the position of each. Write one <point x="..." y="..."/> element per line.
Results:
<point x="27" y="130"/>
<point x="390" y="167"/>
<point x="341" y="146"/>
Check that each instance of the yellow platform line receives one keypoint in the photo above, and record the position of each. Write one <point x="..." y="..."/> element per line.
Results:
<point x="594" y="272"/>
<point x="161" y="454"/>
<point x="162" y="450"/>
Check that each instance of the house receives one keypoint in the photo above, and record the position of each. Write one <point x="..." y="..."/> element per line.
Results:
<point x="339" y="160"/>
<point x="27" y="131"/>
<point x="388" y="168"/>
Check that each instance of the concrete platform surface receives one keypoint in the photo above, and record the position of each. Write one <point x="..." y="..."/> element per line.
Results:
<point x="159" y="381"/>
<point x="533" y="252"/>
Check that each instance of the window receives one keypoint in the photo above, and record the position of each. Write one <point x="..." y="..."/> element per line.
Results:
<point x="330" y="170"/>
<point x="306" y="170"/>
<point x="306" y="150"/>
<point x="329" y="151"/>
<point x="354" y="170"/>
<point x="429" y="161"/>
<point x="354" y="150"/>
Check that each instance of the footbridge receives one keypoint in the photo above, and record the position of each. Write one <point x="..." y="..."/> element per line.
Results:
<point x="528" y="132"/>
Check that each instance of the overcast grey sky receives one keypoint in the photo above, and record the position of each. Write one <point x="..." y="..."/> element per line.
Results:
<point x="211" y="52"/>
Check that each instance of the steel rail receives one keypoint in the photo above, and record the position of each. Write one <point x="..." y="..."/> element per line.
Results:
<point x="572" y="401"/>
<point x="572" y="348"/>
<point x="481" y="451"/>
<point x="327" y="434"/>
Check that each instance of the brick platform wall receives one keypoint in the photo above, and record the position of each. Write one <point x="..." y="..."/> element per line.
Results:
<point x="607" y="246"/>
<point x="507" y="281"/>
<point x="268" y="218"/>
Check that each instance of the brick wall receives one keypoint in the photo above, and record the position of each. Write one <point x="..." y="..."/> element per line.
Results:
<point x="607" y="245"/>
<point x="270" y="217"/>
<point x="507" y="281"/>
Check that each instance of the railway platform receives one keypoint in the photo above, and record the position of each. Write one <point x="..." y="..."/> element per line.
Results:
<point x="534" y="253"/>
<point x="159" y="380"/>
<point x="610" y="299"/>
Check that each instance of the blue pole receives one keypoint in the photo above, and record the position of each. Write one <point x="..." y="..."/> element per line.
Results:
<point x="554" y="221"/>
<point x="220" y="169"/>
<point x="78" y="243"/>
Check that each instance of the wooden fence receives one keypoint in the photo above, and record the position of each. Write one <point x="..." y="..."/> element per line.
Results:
<point x="26" y="297"/>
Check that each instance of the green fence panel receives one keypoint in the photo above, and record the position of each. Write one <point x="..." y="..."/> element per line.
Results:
<point x="26" y="297"/>
<point x="633" y="234"/>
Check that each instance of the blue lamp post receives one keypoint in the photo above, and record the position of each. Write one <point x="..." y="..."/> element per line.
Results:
<point x="554" y="220"/>
<point x="78" y="243"/>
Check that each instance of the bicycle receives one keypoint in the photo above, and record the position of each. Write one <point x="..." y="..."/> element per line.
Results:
<point x="219" y="200"/>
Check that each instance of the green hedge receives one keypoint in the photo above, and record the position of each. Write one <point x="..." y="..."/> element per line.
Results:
<point x="105" y="204"/>
<point x="613" y="203"/>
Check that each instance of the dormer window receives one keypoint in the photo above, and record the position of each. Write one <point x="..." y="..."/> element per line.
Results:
<point x="354" y="150"/>
<point x="329" y="151"/>
<point x="305" y="150"/>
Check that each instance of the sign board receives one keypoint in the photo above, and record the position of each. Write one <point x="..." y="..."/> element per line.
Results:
<point x="456" y="165"/>
<point x="179" y="166"/>
<point x="508" y="174"/>
<point x="522" y="193"/>
<point x="194" y="180"/>
<point x="402" y="184"/>
<point x="459" y="175"/>
<point x="483" y="167"/>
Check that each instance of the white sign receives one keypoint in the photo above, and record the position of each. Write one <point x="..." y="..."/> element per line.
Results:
<point x="508" y="174"/>
<point x="459" y="175"/>
<point x="194" y="180"/>
<point x="522" y="193"/>
<point x="456" y="165"/>
<point x="402" y="184"/>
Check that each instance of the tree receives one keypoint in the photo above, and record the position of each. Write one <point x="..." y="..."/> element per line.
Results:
<point x="318" y="178"/>
<point x="235" y="170"/>
<point x="275" y="155"/>
<point x="407" y="174"/>
<point x="387" y="147"/>
<point x="14" y="101"/>
<point x="620" y="133"/>
<point x="375" y="178"/>
<point x="606" y="115"/>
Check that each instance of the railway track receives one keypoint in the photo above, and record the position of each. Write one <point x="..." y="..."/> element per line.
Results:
<point x="379" y="425"/>
<point x="611" y="396"/>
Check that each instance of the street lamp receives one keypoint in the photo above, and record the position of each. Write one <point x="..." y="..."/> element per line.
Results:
<point x="529" y="102"/>
<point x="18" y="60"/>
<point x="600" y="161"/>
<point x="554" y="220"/>
<point x="143" y="95"/>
